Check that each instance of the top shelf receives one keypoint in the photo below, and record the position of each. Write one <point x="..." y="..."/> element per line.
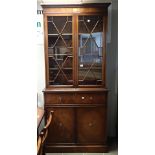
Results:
<point x="85" y="5"/>
<point x="52" y="22"/>
<point x="63" y="34"/>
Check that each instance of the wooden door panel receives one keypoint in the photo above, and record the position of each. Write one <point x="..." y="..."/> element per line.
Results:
<point x="61" y="129"/>
<point x="91" y="125"/>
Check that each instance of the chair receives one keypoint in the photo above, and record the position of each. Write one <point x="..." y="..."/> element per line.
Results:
<point x="40" y="144"/>
<point x="43" y="135"/>
<point x="49" y="119"/>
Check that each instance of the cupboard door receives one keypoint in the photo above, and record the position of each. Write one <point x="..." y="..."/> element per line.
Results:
<point x="91" y="123"/>
<point x="61" y="129"/>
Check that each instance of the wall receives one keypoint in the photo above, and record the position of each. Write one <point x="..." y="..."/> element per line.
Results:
<point x="40" y="58"/>
<point x="112" y="68"/>
<point x="112" y="52"/>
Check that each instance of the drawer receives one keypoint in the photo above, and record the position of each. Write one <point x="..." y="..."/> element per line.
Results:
<point x="59" y="98"/>
<point x="90" y="98"/>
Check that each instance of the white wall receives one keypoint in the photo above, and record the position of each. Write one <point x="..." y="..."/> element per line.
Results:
<point x="40" y="58"/>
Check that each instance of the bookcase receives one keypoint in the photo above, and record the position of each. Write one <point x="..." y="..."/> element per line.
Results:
<point x="75" y="62"/>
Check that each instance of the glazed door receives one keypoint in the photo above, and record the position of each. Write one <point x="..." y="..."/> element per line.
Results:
<point x="75" y="50"/>
<point x="90" y="50"/>
<point x="59" y="55"/>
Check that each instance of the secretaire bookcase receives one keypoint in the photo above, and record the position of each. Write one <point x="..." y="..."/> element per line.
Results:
<point x="75" y="62"/>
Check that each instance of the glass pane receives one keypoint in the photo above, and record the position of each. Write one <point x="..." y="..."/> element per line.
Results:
<point x="90" y="50"/>
<point x="58" y="24"/>
<point x="60" y="41"/>
<point x="60" y="51"/>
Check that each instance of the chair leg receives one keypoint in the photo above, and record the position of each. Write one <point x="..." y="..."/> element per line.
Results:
<point x="43" y="151"/>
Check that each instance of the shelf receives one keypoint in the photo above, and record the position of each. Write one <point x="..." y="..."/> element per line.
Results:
<point x="61" y="68"/>
<point x="59" y="54"/>
<point x="52" y="22"/>
<point x="75" y="90"/>
<point x="89" y="80"/>
<point x="89" y="33"/>
<point x="84" y="33"/>
<point x="53" y="55"/>
<point x="69" y="81"/>
<point x="60" y="47"/>
<point x="63" y="34"/>
<point x="87" y="68"/>
<point x="90" y="55"/>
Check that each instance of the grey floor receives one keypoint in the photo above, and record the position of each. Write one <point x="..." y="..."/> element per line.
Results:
<point x="113" y="147"/>
<point x="114" y="152"/>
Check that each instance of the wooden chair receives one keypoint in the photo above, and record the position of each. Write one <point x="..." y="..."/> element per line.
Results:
<point x="40" y="144"/>
<point x="49" y="119"/>
<point x="43" y="135"/>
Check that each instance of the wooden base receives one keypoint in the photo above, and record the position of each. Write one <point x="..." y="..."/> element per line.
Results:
<point x="76" y="148"/>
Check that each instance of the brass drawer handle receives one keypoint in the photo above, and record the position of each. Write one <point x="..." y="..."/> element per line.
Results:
<point x="90" y="97"/>
<point x="60" y="99"/>
<point x="82" y="97"/>
<point x="90" y="124"/>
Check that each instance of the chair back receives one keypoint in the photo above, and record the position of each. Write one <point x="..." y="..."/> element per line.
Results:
<point x="49" y="119"/>
<point x="43" y="135"/>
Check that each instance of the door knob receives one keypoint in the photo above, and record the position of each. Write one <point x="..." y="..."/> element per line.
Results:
<point x="90" y="124"/>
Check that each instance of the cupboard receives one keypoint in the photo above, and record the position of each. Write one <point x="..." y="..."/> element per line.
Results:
<point x="75" y="62"/>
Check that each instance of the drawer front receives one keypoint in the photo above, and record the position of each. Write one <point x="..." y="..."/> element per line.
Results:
<point x="60" y="98"/>
<point x="90" y="98"/>
<point x="91" y="123"/>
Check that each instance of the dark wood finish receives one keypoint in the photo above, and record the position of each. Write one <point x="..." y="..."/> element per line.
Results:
<point x="76" y="49"/>
<point x="69" y="98"/>
<point x="90" y="98"/>
<point x="74" y="90"/>
<point x="104" y="48"/>
<point x="61" y="130"/>
<point x="86" y="5"/>
<point x="91" y="125"/>
<point x="80" y="106"/>
<point x="74" y="148"/>
<point x="61" y="98"/>
<point x="49" y="120"/>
